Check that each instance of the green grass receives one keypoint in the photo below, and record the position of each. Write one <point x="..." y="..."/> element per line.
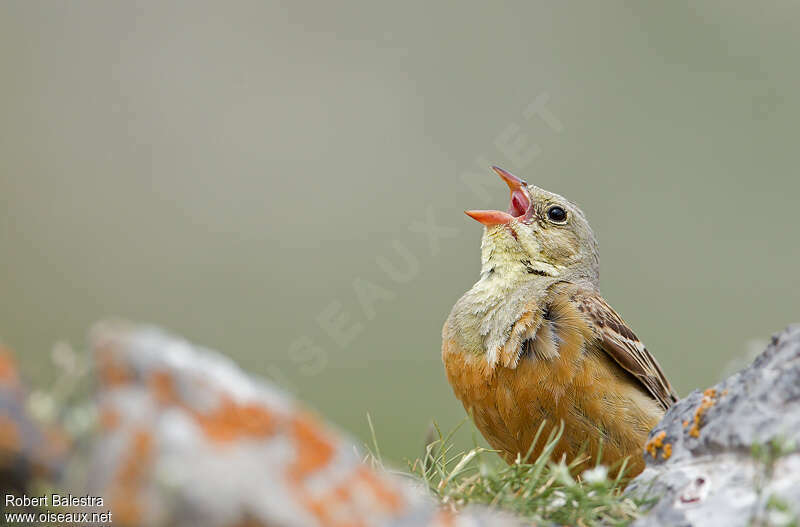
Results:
<point x="541" y="491"/>
<point x="777" y="512"/>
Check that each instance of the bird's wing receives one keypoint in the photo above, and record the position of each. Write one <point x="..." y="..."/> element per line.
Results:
<point x="617" y="340"/>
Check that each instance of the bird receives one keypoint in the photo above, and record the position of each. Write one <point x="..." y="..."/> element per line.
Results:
<point x="533" y="348"/>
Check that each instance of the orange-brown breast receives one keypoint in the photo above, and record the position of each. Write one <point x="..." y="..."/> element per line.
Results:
<point x="573" y="382"/>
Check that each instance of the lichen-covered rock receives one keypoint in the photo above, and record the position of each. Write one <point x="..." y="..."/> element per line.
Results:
<point x="187" y="439"/>
<point x="729" y="456"/>
<point x="27" y="448"/>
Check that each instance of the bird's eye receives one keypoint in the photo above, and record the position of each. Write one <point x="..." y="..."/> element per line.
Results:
<point x="557" y="214"/>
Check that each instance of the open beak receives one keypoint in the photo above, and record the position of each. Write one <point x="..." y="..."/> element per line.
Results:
<point x="517" y="209"/>
<point x="490" y="217"/>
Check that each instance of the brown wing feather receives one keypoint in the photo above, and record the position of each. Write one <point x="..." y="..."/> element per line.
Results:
<point x="621" y="344"/>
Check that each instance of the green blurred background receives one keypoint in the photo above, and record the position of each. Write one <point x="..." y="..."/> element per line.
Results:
<point x="235" y="171"/>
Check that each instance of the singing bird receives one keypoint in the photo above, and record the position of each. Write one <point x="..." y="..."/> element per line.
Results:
<point x="534" y="342"/>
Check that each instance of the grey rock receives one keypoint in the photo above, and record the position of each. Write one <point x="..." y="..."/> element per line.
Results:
<point x="728" y="456"/>
<point x="186" y="438"/>
<point x="28" y="448"/>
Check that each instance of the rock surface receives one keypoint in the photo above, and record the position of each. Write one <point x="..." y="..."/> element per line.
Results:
<point x="27" y="448"/>
<point x="729" y="456"/>
<point x="188" y="439"/>
<point x="183" y="437"/>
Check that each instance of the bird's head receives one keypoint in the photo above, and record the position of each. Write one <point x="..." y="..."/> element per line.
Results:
<point x="541" y="234"/>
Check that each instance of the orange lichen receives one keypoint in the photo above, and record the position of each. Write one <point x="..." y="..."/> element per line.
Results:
<point x="346" y="504"/>
<point x="382" y="492"/>
<point x="256" y="421"/>
<point x="141" y="451"/>
<point x="162" y="387"/>
<point x="231" y="420"/>
<point x="127" y="510"/>
<point x="8" y="368"/>
<point x="314" y="449"/>
<point x="656" y="442"/>
<point x="343" y="504"/>
<point x="129" y="479"/>
<point x="9" y="435"/>
<point x="667" y="453"/>
<point x="709" y="400"/>
<point x="444" y="518"/>
<point x="110" y="372"/>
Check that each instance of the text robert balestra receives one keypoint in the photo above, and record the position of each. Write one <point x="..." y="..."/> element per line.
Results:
<point x="53" y="500"/>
